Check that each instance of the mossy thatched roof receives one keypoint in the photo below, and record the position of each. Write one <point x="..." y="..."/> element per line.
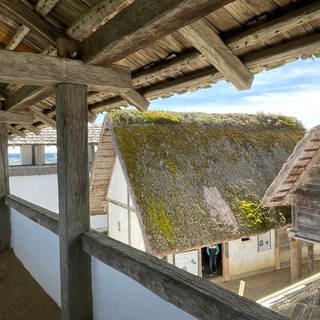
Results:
<point x="199" y="178"/>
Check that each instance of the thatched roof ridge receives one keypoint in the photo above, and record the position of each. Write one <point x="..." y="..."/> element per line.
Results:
<point x="304" y="158"/>
<point x="48" y="136"/>
<point x="199" y="178"/>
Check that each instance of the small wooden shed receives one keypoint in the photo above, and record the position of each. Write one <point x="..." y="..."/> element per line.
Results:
<point x="298" y="185"/>
<point x="189" y="180"/>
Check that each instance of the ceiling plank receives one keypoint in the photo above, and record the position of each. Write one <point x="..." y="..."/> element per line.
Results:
<point x="18" y="37"/>
<point x="142" y="23"/>
<point x="15" y="131"/>
<point x="35" y="69"/>
<point x="201" y="35"/>
<point x="43" y="117"/>
<point x="20" y="13"/>
<point x="15" y="117"/>
<point x="95" y="17"/>
<point x="43" y="7"/>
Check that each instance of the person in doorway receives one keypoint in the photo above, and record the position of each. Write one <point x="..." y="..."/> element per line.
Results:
<point x="212" y="252"/>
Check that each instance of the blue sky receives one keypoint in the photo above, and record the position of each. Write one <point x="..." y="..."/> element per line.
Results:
<point x="292" y="90"/>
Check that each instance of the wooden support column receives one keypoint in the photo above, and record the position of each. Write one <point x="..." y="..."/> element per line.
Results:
<point x="277" y="261"/>
<point x="4" y="190"/>
<point x="310" y="257"/>
<point x="295" y="259"/>
<point x="73" y="183"/>
<point x="226" y="262"/>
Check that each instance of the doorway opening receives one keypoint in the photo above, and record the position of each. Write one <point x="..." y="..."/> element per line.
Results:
<point x="205" y="260"/>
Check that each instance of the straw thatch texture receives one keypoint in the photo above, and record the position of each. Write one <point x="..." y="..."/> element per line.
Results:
<point x="198" y="178"/>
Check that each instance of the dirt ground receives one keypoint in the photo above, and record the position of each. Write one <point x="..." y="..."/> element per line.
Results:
<point x="20" y="296"/>
<point x="261" y="285"/>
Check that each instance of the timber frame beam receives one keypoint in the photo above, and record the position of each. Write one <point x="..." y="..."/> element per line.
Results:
<point x="39" y="70"/>
<point x="15" y="117"/>
<point x="202" y="36"/>
<point x="146" y="22"/>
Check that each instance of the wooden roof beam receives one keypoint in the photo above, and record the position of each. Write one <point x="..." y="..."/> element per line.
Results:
<point x="15" y="117"/>
<point x="43" y="117"/>
<point x="274" y="27"/>
<point x="20" y="13"/>
<point x="32" y="129"/>
<point x="39" y="70"/>
<point x="288" y="51"/>
<point x="43" y="7"/>
<point x="18" y="37"/>
<point x="202" y="36"/>
<point x="136" y="99"/>
<point x="95" y="17"/>
<point x="142" y="23"/>
<point x="15" y="131"/>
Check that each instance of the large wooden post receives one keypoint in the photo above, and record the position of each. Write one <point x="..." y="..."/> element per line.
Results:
<point x="73" y="182"/>
<point x="310" y="258"/>
<point x="5" y="228"/>
<point x="295" y="259"/>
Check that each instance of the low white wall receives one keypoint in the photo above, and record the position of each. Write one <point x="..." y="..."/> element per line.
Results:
<point x="115" y="296"/>
<point x="245" y="258"/>
<point x="38" y="249"/>
<point x="118" y="297"/>
<point x="42" y="190"/>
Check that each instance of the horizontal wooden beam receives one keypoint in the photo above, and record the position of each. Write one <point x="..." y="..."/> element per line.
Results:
<point x="15" y="117"/>
<point x="18" y="37"/>
<point x="198" y="297"/>
<point x="43" y="117"/>
<point x="42" y="216"/>
<point x="43" y="7"/>
<point x="142" y="23"/>
<point x="36" y="69"/>
<point x="95" y="17"/>
<point x="20" y="13"/>
<point x="201" y="35"/>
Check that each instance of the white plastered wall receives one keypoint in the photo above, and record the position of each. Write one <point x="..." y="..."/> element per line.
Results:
<point x="245" y="258"/>
<point x="123" y="223"/>
<point x="42" y="190"/>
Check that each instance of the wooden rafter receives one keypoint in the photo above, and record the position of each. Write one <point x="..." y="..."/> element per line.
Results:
<point x="15" y="131"/>
<point x="43" y="7"/>
<point x="95" y="17"/>
<point x="43" y="117"/>
<point x="285" y="52"/>
<point x="32" y="129"/>
<point x="27" y="96"/>
<point x="136" y="99"/>
<point x="18" y="37"/>
<point x="20" y="13"/>
<point x="15" y="117"/>
<point x="145" y="22"/>
<point x="40" y="70"/>
<point x="202" y="36"/>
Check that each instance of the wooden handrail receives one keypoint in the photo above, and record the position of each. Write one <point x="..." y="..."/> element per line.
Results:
<point x="46" y="218"/>
<point x="196" y="296"/>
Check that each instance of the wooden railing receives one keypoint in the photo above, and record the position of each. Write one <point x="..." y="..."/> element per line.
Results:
<point x="196" y="296"/>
